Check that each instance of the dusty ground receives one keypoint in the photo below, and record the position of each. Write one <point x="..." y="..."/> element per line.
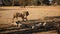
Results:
<point x="6" y="13"/>
<point x="49" y="32"/>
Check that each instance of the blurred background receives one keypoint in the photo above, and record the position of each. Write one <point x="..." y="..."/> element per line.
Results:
<point x="29" y="2"/>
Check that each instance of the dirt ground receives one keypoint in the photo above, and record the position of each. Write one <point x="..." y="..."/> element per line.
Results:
<point x="48" y="32"/>
<point x="6" y="14"/>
